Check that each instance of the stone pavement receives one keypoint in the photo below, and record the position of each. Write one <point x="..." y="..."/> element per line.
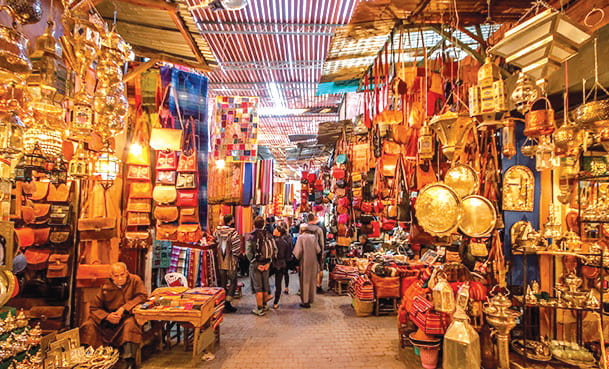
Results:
<point x="328" y="335"/>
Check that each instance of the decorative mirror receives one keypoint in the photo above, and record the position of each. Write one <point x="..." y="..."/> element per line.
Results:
<point x="518" y="189"/>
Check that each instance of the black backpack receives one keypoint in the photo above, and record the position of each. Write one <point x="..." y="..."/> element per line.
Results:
<point x="264" y="247"/>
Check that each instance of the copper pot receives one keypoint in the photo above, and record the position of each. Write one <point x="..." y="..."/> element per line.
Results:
<point x="539" y="121"/>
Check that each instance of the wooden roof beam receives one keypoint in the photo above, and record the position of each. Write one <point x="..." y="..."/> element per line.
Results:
<point x="177" y="19"/>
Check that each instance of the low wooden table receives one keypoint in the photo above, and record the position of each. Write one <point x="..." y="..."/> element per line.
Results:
<point x="199" y="318"/>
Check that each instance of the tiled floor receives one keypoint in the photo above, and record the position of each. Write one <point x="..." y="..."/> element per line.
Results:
<point x="328" y="335"/>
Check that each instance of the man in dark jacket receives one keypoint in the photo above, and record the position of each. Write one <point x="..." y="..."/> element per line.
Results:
<point x="228" y="248"/>
<point x="260" y="250"/>
<point x="280" y="263"/>
<point x="111" y="322"/>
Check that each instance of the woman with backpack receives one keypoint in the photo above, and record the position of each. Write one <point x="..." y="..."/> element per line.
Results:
<point x="260" y="250"/>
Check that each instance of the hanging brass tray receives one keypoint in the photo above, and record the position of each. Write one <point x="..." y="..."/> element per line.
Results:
<point x="479" y="216"/>
<point x="463" y="179"/>
<point x="438" y="209"/>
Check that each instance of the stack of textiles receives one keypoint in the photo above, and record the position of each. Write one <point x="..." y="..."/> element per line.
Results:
<point x="343" y="272"/>
<point x="218" y="294"/>
<point x="362" y="288"/>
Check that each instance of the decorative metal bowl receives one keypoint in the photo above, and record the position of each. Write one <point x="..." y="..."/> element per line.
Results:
<point x="479" y="216"/>
<point x="592" y="112"/>
<point x="438" y="209"/>
<point x="463" y="179"/>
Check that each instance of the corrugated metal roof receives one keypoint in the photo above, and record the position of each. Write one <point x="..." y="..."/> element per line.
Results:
<point x="280" y="41"/>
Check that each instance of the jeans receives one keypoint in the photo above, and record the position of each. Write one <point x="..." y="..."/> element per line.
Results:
<point x="280" y="274"/>
<point x="226" y="277"/>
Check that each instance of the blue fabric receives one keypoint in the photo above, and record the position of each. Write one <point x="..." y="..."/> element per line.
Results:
<point x="191" y="92"/>
<point x="337" y="87"/>
<point x="511" y="217"/>
<point x="248" y="183"/>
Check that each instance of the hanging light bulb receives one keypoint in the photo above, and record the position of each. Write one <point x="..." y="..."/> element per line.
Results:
<point x="107" y="167"/>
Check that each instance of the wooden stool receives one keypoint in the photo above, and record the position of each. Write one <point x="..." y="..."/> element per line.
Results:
<point x="341" y="286"/>
<point x="387" y="306"/>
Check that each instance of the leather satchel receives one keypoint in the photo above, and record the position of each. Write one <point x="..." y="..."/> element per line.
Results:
<point x="138" y="219"/>
<point x="25" y="237"/>
<point x="138" y="240"/>
<point x="41" y="236"/>
<point x="189" y="215"/>
<point x="59" y="193"/>
<point x="190" y="233"/>
<point x="37" y="258"/>
<point x="140" y="138"/>
<point x="138" y="173"/>
<point x="41" y="190"/>
<point x="166" y="232"/>
<point x="58" y="266"/>
<point x="389" y="164"/>
<point x="386" y="287"/>
<point x="164" y="194"/>
<point x="140" y="190"/>
<point x="166" y="214"/>
<point x="186" y="180"/>
<point x="27" y="212"/>
<point x="41" y="213"/>
<point x="139" y="205"/>
<point x="166" y="177"/>
<point x="166" y="160"/>
<point x="92" y="275"/>
<point x="59" y="237"/>
<point x="188" y="198"/>
<point x="94" y="228"/>
<point x="60" y="215"/>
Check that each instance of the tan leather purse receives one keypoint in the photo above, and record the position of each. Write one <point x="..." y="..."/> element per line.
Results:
<point x="189" y="233"/>
<point x="139" y="205"/>
<point x="189" y="215"/>
<point x="41" y="213"/>
<point x="41" y="189"/>
<point x="140" y="190"/>
<point x="93" y="228"/>
<point x="41" y="236"/>
<point x="138" y="219"/>
<point x="166" y="232"/>
<point x="59" y="193"/>
<point x="137" y="240"/>
<point x="166" y="214"/>
<point x="164" y="194"/>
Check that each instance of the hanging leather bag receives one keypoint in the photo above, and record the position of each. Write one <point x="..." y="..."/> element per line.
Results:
<point x="166" y="214"/>
<point x="58" y="266"/>
<point x="95" y="226"/>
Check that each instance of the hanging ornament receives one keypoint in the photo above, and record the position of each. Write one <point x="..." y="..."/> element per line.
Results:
<point x="488" y="99"/>
<point x="524" y="93"/>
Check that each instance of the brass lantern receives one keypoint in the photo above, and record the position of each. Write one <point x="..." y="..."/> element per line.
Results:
<point x="80" y="165"/>
<point x="443" y="296"/>
<point x="48" y="81"/>
<point x="426" y="142"/>
<point x="524" y="93"/>
<point x="452" y="130"/>
<point x="461" y="344"/>
<point x="12" y="130"/>
<point x="107" y="167"/>
<point x="539" y="45"/>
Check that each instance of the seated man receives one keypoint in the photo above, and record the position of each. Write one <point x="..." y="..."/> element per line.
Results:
<point x="110" y="322"/>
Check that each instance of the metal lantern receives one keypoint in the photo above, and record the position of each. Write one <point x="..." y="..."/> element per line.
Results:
<point x="544" y="155"/>
<point x="552" y="228"/>
<point x="461" y="344"/>
<point x="11" y="134"/>
<point x="488" y="98"/>
<point x="452" y="130"/>
<point x="524" y="93"/>
<point x="81" y="120"/>
<point x="426" y="144"/>
<point x="59" y="172"/>
<point x="80" y="165"/>
<point x="48" y="140"/>
<point x="508" y="134"/>
<point x="48" y="81"/>
<point x="107" y="167"/>
<point x="539" y="45"/>
<point x="443" y="296"/>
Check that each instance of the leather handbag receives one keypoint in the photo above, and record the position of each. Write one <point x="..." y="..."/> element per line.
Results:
<point x="37" y="258"/>
<point x="166" y="177"/>
<point x="402" y="133"/>
<point x="138" y="219"/>
<point x="41" y="213"/>
<point x="343" y="241"/>
<point x="138" y="240"/>
<point x="186" y="180"/>
<point x="166" y="214"/>
<point x="391" y="211"/>
<point x="41" y="236"/>
<point x="138" y="173"/>
<point x="139" y="205"/>
<point x="388" y="224"/>
<point x="166" y="232"/>
<point x="58" y="266"/>
<point x="389" y="162"/>
<point x="59" y="237"/>
<point x="478" y="249"/>
<point x="27" y="212"/>
<point x="59" y="215"/>
<point x="94" y="228"/>
<point x="338" y="173"/>
<point x="41" y="189"/>
<point x="188" y="198"/>
<point x="391" y="148"/>
<point x="166" y="160"/>
<point x="419" y="237"/>
<point x="385" y="287"/>
<point x="164" y="194"/>
<point x="427" y="319"/>
<point x="140" y="190"/>
<point x="59" y="193"/>
<point x="189" y="233"/>
<point x="25" y="237"/>
<point x="92" y="275"/>
<point x="376" y="230"/>
<point x="189" y="215"/>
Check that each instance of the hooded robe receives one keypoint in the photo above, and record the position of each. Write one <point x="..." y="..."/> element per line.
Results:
<point x="306" y="250"/>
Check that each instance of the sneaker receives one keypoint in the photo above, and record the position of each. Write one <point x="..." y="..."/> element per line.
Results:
<point x="286" y="291"/>
<point x="275" y="306"/>
<point x="306" y="306"/>
<point x="258" y="311"/>
<point x="266" y="308"/>
<point x="320" y="290"/>
<point x="228" y="308"/>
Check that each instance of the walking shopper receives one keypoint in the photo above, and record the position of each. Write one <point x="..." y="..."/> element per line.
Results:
<point x="288" y="238"/>
<point x="280" y="263"/>
<point x="319" y="234"/>
<point x="306" y="250"/>
<point x="228" y="249"/>
<point x="260" y="250"/>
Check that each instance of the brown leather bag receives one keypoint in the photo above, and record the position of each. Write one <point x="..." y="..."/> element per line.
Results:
<point x="37" y="258"/>
<point x="166" y="214"/>
<point x="189" y="215"/>
<point x="41" y="213"/>
<point x="58" y="266"/>
<point x="138" y="219"/>
<point x="139" y="205"/>
<point x="137" y="240"/>
<point x="59" y="193"/>
<point x="402" y="133"/>
<point x="59" y="237"/>
<point x="389" y="164"/>
<point x="164" y="194"/>
<point x="93" y="228"/>
<point x="140" y="190"/>
<point x="189" y="233"/>
<point x="92" y="275"/>
<point x="41" y="189"/>
<point x="166" y="232"/>
<point x="41" y="236"/>
<point x="25" y="237"/>
<point x="27" y="212"/>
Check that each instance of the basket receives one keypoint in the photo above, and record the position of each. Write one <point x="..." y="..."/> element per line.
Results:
<point x="362" y="308"/>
